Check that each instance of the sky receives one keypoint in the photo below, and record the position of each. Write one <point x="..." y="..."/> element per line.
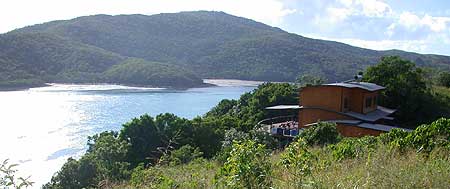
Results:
<point x="421" y="26"/>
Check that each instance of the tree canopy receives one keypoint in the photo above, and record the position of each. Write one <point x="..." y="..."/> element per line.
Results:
<point x="406" y="90"/>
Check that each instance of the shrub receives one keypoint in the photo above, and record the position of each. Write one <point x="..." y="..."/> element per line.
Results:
<point x="353" y="147"/>
<point x="183" y="155"/>
<point x="444" y="79"/>
<point x="247" y="167"/>
<point x="427" y="137"/>
<point x="152" y="177"/>
<point x="424" y="139"/>
<point x="8" y="179"/>
<point x="321" y="134"/>
<point x="298" y="160"/>
<point x="396" y="138"/>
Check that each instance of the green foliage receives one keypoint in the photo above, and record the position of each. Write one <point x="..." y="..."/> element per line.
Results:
<point x="144" y="137"/>
<point x="428" y="137"/>
<point x="141" y="72"/>
<point x="444" y="79"/>
<point x="367" y="162"/>
<point x="211" y="44"/>
<point x="250" y="108"/>
<point x="9" y="178"/>
<point x="353" y="147"/>
<point x="321" y="134"/>
<point x="110" y="155"/>
<point x="424" y="138"/>
<point x="308" y="80"/>
<point x="75" y="174"/>
<point x="183" y="155"/>
<point x="406" y="90"/>
<point x="298" y="160"/>
<point x="396" y="138"/>
<point x="224" y="107"/>
<point x="247" y="167"/>
<point x="105" y="160"/>
<point x="196" y="174"/>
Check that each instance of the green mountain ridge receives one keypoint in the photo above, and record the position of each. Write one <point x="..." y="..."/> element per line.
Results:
<point x="208" y="44"/>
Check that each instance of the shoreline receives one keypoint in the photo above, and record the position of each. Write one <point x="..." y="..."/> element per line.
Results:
<point x="206" y="83"/>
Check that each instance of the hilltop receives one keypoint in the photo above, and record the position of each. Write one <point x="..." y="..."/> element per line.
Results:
<point x="197" y="45"/>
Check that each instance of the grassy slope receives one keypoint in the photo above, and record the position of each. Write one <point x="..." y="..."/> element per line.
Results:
<point x="380" y="169"/>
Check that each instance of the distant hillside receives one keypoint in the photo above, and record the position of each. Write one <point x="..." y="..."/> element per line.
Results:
<point x="32" y="59"/>
<point x="210" y="44"/>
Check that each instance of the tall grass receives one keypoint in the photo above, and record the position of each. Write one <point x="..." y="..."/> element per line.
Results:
<point x="382" y="168"/>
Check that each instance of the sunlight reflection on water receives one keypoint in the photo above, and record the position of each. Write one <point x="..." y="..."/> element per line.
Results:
<point x="42" y="127"/>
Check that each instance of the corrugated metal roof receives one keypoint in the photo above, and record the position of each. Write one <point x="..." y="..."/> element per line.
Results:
<point x="361" y="85"/>
<point x="283" y="107"/>
<point x="379" y="113"/>
<point x="351" y="122"/>
<point x="379" y="127"/>
<point x="357" y="123"/>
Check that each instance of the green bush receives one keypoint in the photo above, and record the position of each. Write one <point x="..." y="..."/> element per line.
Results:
<point x="428" y="137"/>
<point x="105" y="160"/>
<point x="396" y="138"/>
<point x="444" y="79"/>
<point x="321" y="134"/>
<point x="247" y="167"/>
<point x="353" y="147"/>
<point x="298" y="159"/>
<point x="183" y="155"/>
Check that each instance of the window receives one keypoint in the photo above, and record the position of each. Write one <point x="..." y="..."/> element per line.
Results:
<point x="368" y="102"/>
<point x="346" y="104"/>
<point x="375" y="102"/>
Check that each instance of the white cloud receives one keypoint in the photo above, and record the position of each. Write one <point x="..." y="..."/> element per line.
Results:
<point x="412" y="21"/>
<point x="375" y="8"/>
<point x="410" y="25"/>
<point x="19" y="13"/>
<point x="435" y="44"/>
<point x="369" y="8"/>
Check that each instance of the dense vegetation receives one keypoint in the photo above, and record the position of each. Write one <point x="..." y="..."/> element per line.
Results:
<point x="30" y="60"/>
<point x="397" y="159"/>
<point x="409" y="90"/>
<point x="224" y="149"/>
<point x="141" y="72"/>
<point x="208" y="44"/>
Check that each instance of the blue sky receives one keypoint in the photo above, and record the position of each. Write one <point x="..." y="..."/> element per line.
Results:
<point x="413" y="25"/>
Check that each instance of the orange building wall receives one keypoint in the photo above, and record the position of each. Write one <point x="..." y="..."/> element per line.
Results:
<point x="346" y="93"/>
<point x="353" y="131"/>
<point x="328" y="97"/>
<point x="357" y="97"/>
<point x="307" y="116"/>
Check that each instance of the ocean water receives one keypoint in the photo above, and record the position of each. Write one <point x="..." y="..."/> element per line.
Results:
<point x="40" y="128"/>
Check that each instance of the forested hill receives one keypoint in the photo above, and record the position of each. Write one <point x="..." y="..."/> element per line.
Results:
<point x="210" y="44"/>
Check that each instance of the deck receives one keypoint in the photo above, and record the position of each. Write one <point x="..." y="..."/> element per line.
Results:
<point x="282" y="126"/>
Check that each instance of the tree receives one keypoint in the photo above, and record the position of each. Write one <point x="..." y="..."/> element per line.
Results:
<point x="444" y="79"/>
<point x="144" y="137"/>
<point x="105" y="160"/>
<point x="109" y="153"/>
<point x="75" y="174"/>
<point x="406" y="89"/>
<point x="308" y="80"/>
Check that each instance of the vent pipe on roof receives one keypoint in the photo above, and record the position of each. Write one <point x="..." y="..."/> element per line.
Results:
<point x="358" y="77"/>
